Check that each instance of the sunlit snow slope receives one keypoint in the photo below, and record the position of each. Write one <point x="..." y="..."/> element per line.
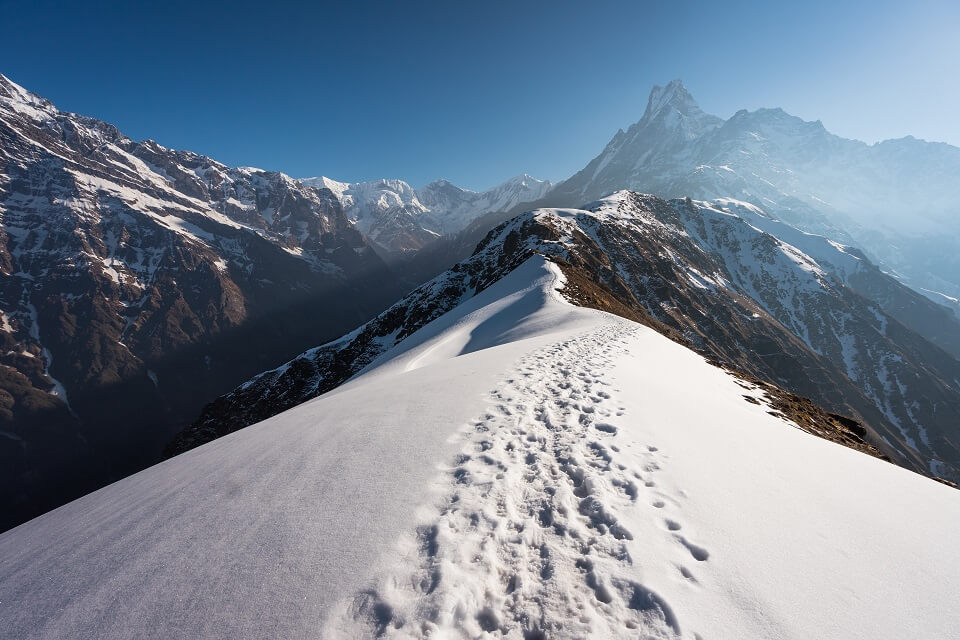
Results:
<point x="519" y="467"/>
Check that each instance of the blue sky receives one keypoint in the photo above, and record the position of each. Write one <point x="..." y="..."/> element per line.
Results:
<point x="474" y="92"/>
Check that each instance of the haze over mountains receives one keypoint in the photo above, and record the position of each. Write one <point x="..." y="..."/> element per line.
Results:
<point x="896" y="200"/>
<point x="139" y="283"/>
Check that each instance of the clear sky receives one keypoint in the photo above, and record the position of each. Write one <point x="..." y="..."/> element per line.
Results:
<point x="474" y="91"/>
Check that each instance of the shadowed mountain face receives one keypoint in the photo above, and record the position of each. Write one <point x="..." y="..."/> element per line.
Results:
<point x="898" y="200"/>
<point x="702" y="273"/>
<point x="138" y="282"/>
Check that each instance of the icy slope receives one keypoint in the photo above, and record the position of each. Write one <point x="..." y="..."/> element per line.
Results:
<point x="519" y="467"/>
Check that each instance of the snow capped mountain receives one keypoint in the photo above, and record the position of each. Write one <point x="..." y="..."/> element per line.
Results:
<point x="401" y="219"/>
<point x="660" y="139"/>
<point x="515" y="467"/>
<point x="460" y="207"/>
<point x="129" y="273"/>
<point x="897" y="199"/>
<point x="705" y="274"/>
<point x="386" y="212"/>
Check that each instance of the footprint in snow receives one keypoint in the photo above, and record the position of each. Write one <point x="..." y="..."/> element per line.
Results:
<point x="699" y="553"/>
<point x="605" y="427"/>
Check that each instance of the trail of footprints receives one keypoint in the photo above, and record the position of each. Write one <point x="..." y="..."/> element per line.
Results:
<point x="530" y="543"/>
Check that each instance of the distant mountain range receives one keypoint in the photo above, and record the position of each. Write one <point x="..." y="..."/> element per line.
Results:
<point x="399" y="219"/>
<point x="137" y="283"/>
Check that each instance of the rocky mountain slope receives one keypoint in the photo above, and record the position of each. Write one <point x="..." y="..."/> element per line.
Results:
<point x="897" y="199"/>
<point x="703" y="273"/>
<point x="400" y="219"/>
<point x="137" y="283"/>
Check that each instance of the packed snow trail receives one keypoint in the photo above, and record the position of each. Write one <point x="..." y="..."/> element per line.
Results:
<point x="566" y="516"/>
<point x="529" y="543"/>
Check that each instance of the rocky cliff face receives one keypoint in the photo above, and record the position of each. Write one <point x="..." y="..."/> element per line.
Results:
<point x="697" y="271"/>
<point x="138" y="282"/>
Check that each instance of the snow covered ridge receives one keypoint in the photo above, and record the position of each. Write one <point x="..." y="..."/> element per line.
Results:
<point x="400" y="218"/>
<point x="898" y="199"/>
<point x="128" y="274"/>
<point x="734" y="293"/>
<point x="520" y="467"/>
<point x="323" y="368"/>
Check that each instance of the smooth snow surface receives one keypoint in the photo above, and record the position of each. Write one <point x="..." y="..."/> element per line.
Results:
<point x="519" y="468"/>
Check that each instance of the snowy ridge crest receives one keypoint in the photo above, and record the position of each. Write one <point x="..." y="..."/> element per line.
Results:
<point x="708" y="272"/>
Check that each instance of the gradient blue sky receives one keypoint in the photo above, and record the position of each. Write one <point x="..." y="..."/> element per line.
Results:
<point x="474" y="91"/>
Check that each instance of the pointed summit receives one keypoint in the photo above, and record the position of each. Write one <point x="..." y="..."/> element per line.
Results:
<point x="525" y="179"/>
<point x="672" y="108"/>
<point x="22" y="102"/>
<point x="674" y="96"/>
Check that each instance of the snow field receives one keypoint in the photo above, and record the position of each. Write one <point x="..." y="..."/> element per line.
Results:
<point x="520" y="468"/>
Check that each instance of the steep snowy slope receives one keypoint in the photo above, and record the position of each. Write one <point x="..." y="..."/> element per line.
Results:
<point x="898" y="199"/>
<point x="129" y="273"/>
<point x="518" y="467"/>
<point x="401" y="219"/>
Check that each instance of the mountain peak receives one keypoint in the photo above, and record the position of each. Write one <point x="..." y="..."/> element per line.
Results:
<point x="441" y="182"/>
<point x="21" y="99"/>
<point x="524" y="178"/>
<point x="673" y="96"/>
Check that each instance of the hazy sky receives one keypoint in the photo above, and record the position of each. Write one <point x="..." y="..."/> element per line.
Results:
<point x="474" y="91"/>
